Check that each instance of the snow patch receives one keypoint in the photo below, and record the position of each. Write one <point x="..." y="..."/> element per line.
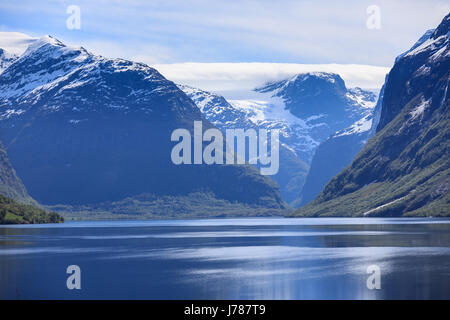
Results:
<point x="8" y="113"/>
<point x="360" y="126"/>
<point x="382" y="206"/>
<point x="420" y="109"/>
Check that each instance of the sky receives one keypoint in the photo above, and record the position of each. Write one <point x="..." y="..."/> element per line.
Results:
<point x="171" y="33"/>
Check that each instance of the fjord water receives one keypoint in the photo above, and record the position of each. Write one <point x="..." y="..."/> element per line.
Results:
<point x="261" y="258"/>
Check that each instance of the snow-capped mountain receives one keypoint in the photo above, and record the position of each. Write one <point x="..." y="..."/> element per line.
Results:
<point x="251" y="114"/>
<point x="330" y="109"/>
<point x="284" y="105"/>
<point x="323" y="100"/>
<point x="81" y="128"/>
<point x="267" y="113"/>
<point x="58" y="70"/>
<point x="404" y="169"/>
<point x="306" y="108"/>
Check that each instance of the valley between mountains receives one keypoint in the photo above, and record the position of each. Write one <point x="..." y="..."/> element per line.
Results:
<point x="88" y="137"/>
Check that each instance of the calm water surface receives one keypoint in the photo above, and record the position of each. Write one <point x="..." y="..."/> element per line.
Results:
<point x="267" y="258"/>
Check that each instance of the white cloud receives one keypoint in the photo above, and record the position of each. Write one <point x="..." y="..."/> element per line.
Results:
<point x="246" y="30"/>
<point x="15" y="42"/>
<point x="234" y="79"/>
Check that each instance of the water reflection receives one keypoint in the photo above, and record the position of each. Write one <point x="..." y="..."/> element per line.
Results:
<point x="229" y="259"/>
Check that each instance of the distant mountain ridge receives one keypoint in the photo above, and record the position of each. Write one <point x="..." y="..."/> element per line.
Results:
<point x="247" y="115"/>
<point x="274" y="107"/>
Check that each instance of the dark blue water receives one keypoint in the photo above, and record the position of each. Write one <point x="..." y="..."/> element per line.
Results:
<point x="228" y="259"/>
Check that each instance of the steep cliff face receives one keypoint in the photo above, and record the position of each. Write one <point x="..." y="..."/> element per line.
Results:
<point x="331" y="156"/>
<point x="10" y="185"/>
<point x="16" y="206"/>
<point x="6" y="59"/>
<point x="405" y="168"/>
<point x="81" y="129"/>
